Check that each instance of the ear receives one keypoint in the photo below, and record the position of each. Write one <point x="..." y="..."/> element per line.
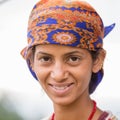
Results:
<point x="98" y="62"/>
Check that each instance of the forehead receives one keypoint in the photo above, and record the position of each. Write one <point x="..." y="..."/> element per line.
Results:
<point x="59" y="49"/>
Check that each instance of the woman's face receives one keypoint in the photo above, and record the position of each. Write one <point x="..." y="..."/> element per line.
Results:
<point x="63" y="72"/>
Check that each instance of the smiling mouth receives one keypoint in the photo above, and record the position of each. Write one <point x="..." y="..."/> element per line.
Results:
<point x="60" y="87"/>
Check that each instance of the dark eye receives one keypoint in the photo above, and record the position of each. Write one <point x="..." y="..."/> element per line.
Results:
<point x="74" y="59"/>
<point x="45" y="59"/>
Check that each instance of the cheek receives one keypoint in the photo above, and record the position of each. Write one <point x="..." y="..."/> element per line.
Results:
<point x="82" y="75"/>
<point x="41" y="74"/>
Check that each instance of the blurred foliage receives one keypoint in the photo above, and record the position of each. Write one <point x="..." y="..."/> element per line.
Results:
<point x="7" y="110"/>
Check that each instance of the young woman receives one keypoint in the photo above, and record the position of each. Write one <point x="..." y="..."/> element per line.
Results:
<point x="65" y="54"/>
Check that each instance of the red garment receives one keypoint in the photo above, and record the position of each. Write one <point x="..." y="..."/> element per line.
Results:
<point x="104" y="116"/>
<point x="107" y="116"/>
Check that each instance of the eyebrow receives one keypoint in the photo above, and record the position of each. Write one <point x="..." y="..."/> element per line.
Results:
<point x="43" y="53"/>
<point x="66" y="54"/>
<point x="72" y="53"/>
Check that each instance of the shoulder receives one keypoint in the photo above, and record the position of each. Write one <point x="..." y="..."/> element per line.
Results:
<point x="107" y="115"/>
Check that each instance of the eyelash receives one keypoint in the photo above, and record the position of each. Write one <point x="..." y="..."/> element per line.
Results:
<point x="71" y="60"/>
<point x="74" y="58"/>
<point x="45" y="59"/>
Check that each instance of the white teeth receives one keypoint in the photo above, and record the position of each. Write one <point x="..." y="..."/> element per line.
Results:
<point x="60" y="88"/>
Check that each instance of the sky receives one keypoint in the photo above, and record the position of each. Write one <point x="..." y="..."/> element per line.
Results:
<point x="14" y="74"/>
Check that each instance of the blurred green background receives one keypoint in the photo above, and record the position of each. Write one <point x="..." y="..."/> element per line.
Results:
<point x="7" y="109"/>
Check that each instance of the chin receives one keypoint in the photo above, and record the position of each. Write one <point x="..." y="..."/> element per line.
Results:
<point x="63" y="101"/>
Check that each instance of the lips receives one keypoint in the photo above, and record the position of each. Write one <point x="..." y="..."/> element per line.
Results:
<point x="61" y="89"/>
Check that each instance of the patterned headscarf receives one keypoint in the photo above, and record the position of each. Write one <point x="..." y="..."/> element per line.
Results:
<point x="66" y="22"/>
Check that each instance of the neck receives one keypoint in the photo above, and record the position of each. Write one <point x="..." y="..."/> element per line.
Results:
<point x="80" y="109"/>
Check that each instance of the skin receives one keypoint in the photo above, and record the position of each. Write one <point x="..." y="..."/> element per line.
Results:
<point x="64" y="73"/>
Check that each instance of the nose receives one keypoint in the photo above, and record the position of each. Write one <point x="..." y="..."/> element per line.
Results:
<point x="59" y="72"/>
